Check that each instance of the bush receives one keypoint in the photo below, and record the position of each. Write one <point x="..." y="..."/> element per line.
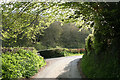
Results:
<point x="106" y="66"/>
<point x="51" y="53"/>
<point x="58" y="52"/>
<point x="66" y="53"/>
<point x="89" y="44"/>
<point x="15" y="49"/>
<point x="0" y="67"/>
<point x="102" y="58"/>
<point x="21" y="64"/>
<point x="81" y="50"/>
<point x="39" y="46"/>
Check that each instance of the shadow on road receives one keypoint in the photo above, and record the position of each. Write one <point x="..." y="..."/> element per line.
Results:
<point x="71" y="71"/>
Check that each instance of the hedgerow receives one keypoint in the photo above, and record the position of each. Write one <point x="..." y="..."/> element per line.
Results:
<point x="60" y="52"/>
<point x="21" y="64"/>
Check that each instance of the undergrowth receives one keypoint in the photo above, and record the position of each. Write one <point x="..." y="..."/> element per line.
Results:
<point x="21" y="64"/>
<point x="106" y="66"/>
<point x="65" y="53"/>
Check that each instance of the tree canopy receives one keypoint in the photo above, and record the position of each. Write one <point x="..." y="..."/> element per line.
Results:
<point x="66" y="36"/>
<point x="27" y="19"/>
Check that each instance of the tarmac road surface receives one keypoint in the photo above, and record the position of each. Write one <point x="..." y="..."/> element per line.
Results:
<point x="62" y="67"/>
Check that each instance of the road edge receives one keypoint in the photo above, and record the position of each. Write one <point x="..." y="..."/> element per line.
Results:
<point x="80" y="69"/>
<point x="42" y="68"/>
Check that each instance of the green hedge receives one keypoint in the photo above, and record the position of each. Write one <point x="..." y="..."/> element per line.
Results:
<point x="66" y="53"/>
<point x="15" y="49"/>
<point x="58" y="52"/>
<point x="21" y="64"/>
<point x="51" y="53"/>
<point x="101" y="63"/>
<point x="79" y="50"/>
<point x="0" y="67"/>
<point x="104" y="66"/>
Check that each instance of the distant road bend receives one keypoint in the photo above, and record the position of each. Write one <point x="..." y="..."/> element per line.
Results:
<point x="63" y="67"/>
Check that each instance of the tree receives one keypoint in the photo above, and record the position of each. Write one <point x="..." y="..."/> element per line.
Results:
<point x="22" y="20"/>
<point x="51" y="36"/>
<point x="67" y="36"/>
<point x="103" y="17"/>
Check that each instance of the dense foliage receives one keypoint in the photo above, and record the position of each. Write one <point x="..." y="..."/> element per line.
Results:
<point x="22" y="21"/>
<point x="59" y="52"/>
<point x="102" y="17"/>
<point x="102" y="66"/>
<point x="15" y="49"/>
<point x="0" y="67"/>
<point x="66" y="36"/>
<point x="103" y="44"/>
<point x="21" y="64"/>
<point x="51" y="53"/>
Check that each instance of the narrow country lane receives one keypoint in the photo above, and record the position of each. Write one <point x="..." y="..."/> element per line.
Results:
<point x="63" y="67"/>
